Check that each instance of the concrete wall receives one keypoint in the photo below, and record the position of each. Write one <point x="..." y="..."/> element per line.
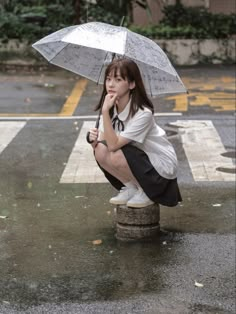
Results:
<point x="180" y="51"/>
<point x="195" y="51"/>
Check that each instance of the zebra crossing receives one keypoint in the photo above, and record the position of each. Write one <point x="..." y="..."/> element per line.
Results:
<point x="203" y="160"/>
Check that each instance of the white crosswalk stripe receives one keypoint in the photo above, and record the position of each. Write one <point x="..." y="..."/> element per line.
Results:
<point x="81" y="166"/>
<point x="8" y="130"/>
<point x="204" y="148"/>
<point x="201" y="142"/>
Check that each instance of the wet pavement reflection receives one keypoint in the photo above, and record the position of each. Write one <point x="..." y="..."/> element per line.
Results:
<point x="58" y="249"/>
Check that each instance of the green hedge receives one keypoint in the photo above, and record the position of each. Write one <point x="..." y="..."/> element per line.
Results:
<point x="184" y="32"/>
<point x="25" y="20"/>
<point x="33" y="22"/>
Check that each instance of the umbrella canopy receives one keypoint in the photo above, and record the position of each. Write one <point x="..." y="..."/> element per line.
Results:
<point x="86" y="50"/>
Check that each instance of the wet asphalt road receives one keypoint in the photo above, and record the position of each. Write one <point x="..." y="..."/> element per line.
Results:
<point x="48" y="261"/>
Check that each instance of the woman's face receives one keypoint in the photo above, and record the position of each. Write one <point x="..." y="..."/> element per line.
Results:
<point x="115" y="84"/>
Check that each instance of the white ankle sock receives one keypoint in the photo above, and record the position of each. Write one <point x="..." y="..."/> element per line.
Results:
<point x="130" y="185"/>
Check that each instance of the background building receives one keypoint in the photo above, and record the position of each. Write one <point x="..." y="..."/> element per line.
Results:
<point x="141" y="17"/>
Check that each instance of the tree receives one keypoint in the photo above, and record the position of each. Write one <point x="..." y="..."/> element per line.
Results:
<point x="77" y="8"/>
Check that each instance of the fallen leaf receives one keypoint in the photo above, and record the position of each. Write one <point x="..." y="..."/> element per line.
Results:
<point x="29" y="185"/>
<point x="97" y="242"/>
<point x="198" y="284"/>
<point x="27" y="99"/>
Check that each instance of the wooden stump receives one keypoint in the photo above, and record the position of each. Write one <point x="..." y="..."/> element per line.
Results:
<point x="137" y="223"/>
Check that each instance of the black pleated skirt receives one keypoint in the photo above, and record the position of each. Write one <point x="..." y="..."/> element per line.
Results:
<point x="158" y="189"/>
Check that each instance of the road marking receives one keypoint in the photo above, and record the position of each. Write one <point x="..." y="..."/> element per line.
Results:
<point x="55" y="117"/>
<point x="217" y="93"/>
<point x="81" y="166"/>
<point x="219" y="101"/>
<point x="8" y="130"/>
<point x="203" y="148"/>
<point x="67" y="110"/>
<point x="74" y="98"/>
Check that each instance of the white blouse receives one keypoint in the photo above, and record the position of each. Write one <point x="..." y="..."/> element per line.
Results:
<point x="145" y="134"/>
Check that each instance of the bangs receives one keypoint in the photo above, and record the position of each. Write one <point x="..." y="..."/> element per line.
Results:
<point x="115" y="68"/>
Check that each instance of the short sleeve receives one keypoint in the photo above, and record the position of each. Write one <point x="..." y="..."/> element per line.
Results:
<point x="138" y="126"/>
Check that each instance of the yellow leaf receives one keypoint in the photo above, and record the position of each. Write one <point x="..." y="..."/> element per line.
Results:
<point x="29" y="185"/>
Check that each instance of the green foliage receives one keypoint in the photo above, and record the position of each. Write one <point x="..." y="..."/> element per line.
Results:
<point x="101" y="12"/>
<point x="33" y="19"/>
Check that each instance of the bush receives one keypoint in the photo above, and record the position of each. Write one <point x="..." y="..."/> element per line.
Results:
<point x="33" y="22"/>
<point x="26" y="20"/>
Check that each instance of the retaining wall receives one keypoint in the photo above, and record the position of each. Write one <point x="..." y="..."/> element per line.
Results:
<point x="180" y="51"/>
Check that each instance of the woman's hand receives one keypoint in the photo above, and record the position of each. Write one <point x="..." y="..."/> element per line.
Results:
<point x="93" y="136"/>
<point x="109" y="102"/>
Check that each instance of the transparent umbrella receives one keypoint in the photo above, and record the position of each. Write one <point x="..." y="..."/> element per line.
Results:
<point x="86" y="50"/>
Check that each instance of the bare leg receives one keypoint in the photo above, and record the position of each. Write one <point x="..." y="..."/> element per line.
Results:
<point x="115" y="163"/>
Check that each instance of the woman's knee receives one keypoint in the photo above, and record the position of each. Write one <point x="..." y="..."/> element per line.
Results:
<point x="118" y="160"/>
<point x="101" y="153"/>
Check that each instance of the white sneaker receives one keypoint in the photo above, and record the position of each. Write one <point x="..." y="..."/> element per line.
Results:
<point x="123" y="196"/>
<point x="139" y="200"/>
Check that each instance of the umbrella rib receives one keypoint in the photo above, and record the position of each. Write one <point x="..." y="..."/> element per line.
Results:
<point x="102" y="67"/>
<point x="58" y="52"/>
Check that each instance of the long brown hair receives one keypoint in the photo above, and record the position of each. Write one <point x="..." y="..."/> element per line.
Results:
<point x="130" y="71"/>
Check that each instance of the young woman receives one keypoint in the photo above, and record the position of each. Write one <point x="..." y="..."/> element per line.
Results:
<point x="130" y="148"/>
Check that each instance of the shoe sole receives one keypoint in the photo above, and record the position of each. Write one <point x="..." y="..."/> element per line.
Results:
<point x="139" y="205"/>
<point x="117" y="202"/>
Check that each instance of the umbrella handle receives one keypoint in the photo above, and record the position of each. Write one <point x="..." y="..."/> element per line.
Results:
<point x="96" y="126"/>
<point x="98" y="120"/>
